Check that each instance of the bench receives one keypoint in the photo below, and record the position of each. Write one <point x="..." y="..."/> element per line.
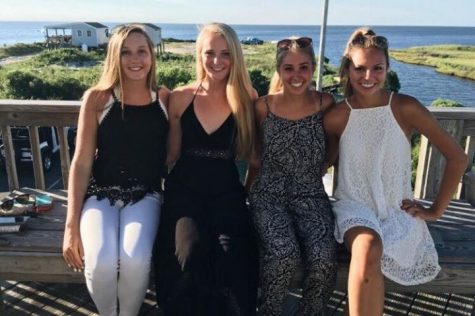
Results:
<point x="34" y="254"/>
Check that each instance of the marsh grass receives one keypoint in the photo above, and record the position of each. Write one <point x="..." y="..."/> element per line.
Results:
<point x="452" y="60"/>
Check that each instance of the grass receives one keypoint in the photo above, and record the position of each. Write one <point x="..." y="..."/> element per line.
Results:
<point x="454" y="60"/>
<point x="21" y="49"/>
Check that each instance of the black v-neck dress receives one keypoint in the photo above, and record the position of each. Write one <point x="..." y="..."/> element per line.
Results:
<point x="205" y="186"/>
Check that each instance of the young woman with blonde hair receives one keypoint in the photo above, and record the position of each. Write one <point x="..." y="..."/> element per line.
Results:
<point x="212" y="262"/>
<point x="376" y="217"/>
<point x="114" y="190"/>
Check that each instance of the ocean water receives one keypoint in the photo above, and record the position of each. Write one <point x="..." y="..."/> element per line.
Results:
<point x="421" y="82"/>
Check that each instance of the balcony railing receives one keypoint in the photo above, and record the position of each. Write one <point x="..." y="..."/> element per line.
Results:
<point x="459" y="122"/>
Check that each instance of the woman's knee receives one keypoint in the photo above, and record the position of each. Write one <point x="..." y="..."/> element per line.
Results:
<point x="102" y="267"/>
<point x="139" y="262"/>
<point x="366" y="250"/>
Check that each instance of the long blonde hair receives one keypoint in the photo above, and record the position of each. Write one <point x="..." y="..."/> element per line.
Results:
<point x="239" y="90"/>
<point x="112" y="75"/>
<point x="276" y="84"/>
<point x="361" y="38"/>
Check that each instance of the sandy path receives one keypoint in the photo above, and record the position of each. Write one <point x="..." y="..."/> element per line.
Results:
<point x="14" y="59"/>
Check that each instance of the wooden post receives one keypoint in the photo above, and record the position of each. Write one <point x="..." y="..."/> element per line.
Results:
<point x="37" y="157"/>
<point x="64" y="153"/>
<point x="470" y="151"/>
<point x="431" y="163"/>
<point x="10" y="163"/>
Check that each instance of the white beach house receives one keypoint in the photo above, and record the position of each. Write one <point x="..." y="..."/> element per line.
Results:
<point x="79" y="34"/>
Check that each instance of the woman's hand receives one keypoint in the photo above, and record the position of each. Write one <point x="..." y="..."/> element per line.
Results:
<point x="73" y="252"/>
<point x="416" y="209"/>
<point x="186" y="237"/>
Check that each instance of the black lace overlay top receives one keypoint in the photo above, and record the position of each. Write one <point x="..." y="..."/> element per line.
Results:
<point x="131" y="152"/>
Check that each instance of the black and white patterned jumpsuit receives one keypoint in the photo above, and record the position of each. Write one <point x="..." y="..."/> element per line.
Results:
<point x="293" y="214"/>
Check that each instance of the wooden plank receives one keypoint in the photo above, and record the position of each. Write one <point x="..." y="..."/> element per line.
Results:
<point x="427" y="185"/>
<point x="460" y="113"/>
<point x="37" y="266"/>
<point x="38" y="113"/>
<point x="421" y="173"/>
<point x="454" y="278"/>
<point x="469" y="128"/>
<point x="64" y="154"/>
<point x="10" y="163"/>
<point x="34" y="241"/>
<point x="37" y="158"/>
<point x="466" y="189"/>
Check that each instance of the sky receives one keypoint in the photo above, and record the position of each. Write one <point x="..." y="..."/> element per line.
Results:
<point x="277" y="12"/>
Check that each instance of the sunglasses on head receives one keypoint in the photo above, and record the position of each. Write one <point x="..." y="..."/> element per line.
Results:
<point x="301" y="42"/>
<point x="8" y="204"/>
<point x="370" y="41"/>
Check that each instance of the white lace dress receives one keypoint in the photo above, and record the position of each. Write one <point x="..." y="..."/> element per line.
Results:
<point x="373" y="178"/>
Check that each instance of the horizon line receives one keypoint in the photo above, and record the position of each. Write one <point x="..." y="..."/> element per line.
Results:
<point x="239" y="24"/>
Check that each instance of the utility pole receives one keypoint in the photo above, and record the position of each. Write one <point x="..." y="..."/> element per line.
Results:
<point x="321" y="53"/>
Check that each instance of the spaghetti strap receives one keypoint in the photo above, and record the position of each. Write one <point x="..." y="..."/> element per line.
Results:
<point x="390" y="98"/>
<point x="348" y="103"/>
<point x="196" y="92"/>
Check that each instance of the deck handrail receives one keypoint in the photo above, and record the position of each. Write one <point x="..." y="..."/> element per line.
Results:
<point x="459" y="122"/>
<point x="32" y="114"/>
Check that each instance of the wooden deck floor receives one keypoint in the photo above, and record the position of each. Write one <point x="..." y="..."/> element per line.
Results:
<point x="33" y="298"/>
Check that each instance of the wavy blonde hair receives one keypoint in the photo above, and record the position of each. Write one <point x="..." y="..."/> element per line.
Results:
<point x="239" y="90"/>
<point x="112" y="75"/>
<point x="362" y="37"/>
<point x="276" y="84"/>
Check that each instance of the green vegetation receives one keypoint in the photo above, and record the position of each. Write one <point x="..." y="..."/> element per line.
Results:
<point x="445" y="103"/>
<point x="65" y="73"/>
<point x="21" y="49"/>
<point x="453" y="60"/>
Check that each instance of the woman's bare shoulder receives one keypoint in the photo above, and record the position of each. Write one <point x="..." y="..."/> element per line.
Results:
<point x="180" y="98"/>
<point x="96" y="99"/>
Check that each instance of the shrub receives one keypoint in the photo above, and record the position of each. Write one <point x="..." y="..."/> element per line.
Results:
<point x="24" y="85"/>
<point x="66" y="88"/>
<point x="63" y="56"/>
<point x="172" y="77"/>
<point x="259" y="81"/>
<point x="445" y="103"/>
<point x="392" y="81"/>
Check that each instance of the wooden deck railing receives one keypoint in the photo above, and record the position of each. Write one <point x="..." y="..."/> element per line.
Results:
<point x="459" y="122"/>
<point x="32" y="114"/>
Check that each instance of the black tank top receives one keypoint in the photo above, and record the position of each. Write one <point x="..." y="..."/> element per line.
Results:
<point x="207" y="161"/>
<point x="131" y="152"/>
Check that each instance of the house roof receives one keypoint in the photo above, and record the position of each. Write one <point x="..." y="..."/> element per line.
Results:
<point x="153" y="26"/>
<point x="71" y="25"/>
<point x="150" y="25"/>
<point x="96" y="25"/>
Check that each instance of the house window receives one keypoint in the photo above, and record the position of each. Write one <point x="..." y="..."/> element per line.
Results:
<point x="89" y="33"/>
<point x="79" y="33"/>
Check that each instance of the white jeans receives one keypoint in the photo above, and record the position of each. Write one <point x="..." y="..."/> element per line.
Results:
<point x="118" y="244"/>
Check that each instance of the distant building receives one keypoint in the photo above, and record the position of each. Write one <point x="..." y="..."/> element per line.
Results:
<point x="79" y="34"/>
<point x="154" y="32"/>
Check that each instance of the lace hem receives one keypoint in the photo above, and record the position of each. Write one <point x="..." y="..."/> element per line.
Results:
<point x="425" y="265"/>
<point x="117" y="193"/>
<point x="343" y="227"/>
